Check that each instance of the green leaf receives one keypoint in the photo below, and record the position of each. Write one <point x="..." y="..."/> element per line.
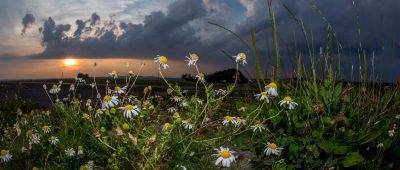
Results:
<point x="315" y="133"/>
<point x="339" y="150"/>
<point x="351" y="159"/>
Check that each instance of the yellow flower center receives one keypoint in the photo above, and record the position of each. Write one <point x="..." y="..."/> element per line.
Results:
<point x="130" y="72"/>
<point x="125" y="126"/>
<point x="45" y="127"/>
<point x="114" y="72"/>
<point x="86" y="116"/>
<point x="52" y="138"/>
<point x="201" y="75"/>
<point x="225" y="154"/>
<point x="29" y="133"/>
<point x="3" y="152"/>
<point x="272" y="146"/>
<point x="229" y="118"/>
<point x="264" y="93"/>
<point x="80" y="148"/>
<point x="194" y="56"/>
<point x="128" y="107"/>
<point x="242" y="56"/>
<point x="272" y="85"/>
<point x="287" y="99"/>
<point x="107" y="98"/>
<point x="176" y="115"/>
<point x="54" y="86"/>
<point x="163" y="59"/>
<point x="238" y="119"/>
<point x="117" y="88"/>
<point x="167" y="125"/>
<point x="189" y="121"/>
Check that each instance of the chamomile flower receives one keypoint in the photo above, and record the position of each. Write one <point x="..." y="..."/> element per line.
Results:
<point x="55" y="89"/>
<point x="262" y="96"/>
<point x="391" y="133"/>
<point x="288" y="101"/>
<point x="71" y="87"/>
<point x="70" y="152"/>
<point x="242" y="109"/>
<point x="130" y="110"/>
<point x="110" y="101"/>
<point x="85" y="116"/>
<point x="380" y="145"/>
<point x="176" y="115"/>
<point x="228" y="119"/>
<point x="80" y="80"/>
<point x="119" y="90"/>
<point x="46" y="129"/>
<point x="162" y="60"/>
<point x="53" y="140"/>
<point x="225" y="157"/>
<point x="397" y="117"/>
<point x="258" y="126"/>
<point x="200" y="101"/>
<point x="273" y="149"/>
<point x="192" y="59"/>
<point x="113" y="74"/>
<point x="131" y="73"/>
<point x="170" y="91"/>
<point x="99" y="112"/>
<point x="80" y="150"/>
<point x="34" y="138"/>
<point x="188" y="124"/>
<point x="5" y="156"/>
<point x="172" y="110"/>
<point x="166" y="126"/>
<point x="240" y="58"/>
<point x="220" y="92"/>
<point x="271" y="89"/>
<point x="239" y="121"/>
<point x="201" y="77"/>
<point x="184" y="103"/>
<point x="176" y="99"/>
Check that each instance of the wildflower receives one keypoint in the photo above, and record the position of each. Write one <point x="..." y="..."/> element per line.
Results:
<point x="176" y="115"/>
<point x="93" y="85"/>
<point x="99" y="112"/>
<point x="125" y="126"/>
<point x="80" y="80"/>
<point x="262" y="96"/>
<point x="170" y="91"/>
<point x="119" y="90"/>
<point x="271" y="89"/>
<point x="273" y="149"/>
<point x="184" y="103"/>
<point x="289" y="101"/>
<point x="130" y="73"/>
<point x="71" y="87"/>
<point x="129" y="110"/>
<point x="200" y="101"/>
<point x="192" y="59"/>
<point x="225" y="156"/>
<point x="239" y="121"/>
<point x="35" y="138"/>
<point x="242" y="109"/>
<point x="109" y="101"/>
<point x="113" y="74"/>
<point x="220" y="92"/>
<point x="53" y="140"/>
<point x="228" y="119"/>
<point x="80" y="150"/>
<point x="240" y="58"/>
<point x="258" y="126"/>
<point x="55" y="89"/>
<point x="201" y="77"/>
<point x="187" y="123"/>
<point x="162" y="60"/>
<point x="391" y="133"/>
<point x="5" y="156"/>
<point x="85" y="116"/>
<point x="70" y="152"/>
<point x="166" y="126"/>
<point x="172" y="110"/>
<point x="176" y="99"/>
<point x="397" y="117"/>
<point x="380" y="145"/>
<point x="46" y="129"/>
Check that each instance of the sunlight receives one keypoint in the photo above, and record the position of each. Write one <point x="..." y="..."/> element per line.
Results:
<point x="70" y="62"/>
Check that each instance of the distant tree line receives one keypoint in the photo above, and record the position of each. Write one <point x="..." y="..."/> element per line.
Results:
<point x="224" y="76"/>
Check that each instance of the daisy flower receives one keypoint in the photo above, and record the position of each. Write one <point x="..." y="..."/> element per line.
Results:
<point x="99" y="112"/>
<point x="258" y="126"/>
<point x="170" y="91"/>
<point x="53" y="140"/>
<point x="35" y="138"/>
<point x="172" y="110"/>
<point x="273" y="149"/>
<point x="85" y="116"/>
<point x="242" y="109"/>
<point x="113" y="74"/>
<point x="80" y="150"/>
<point x="225" y="157"/>
<point x="380" y="145"/>
<point x="192" y="59"/>
<point x="239" y="121"/>
<point x="262" y="96"/>
<point x="162" y="60"/>
<point x="71" y="87"/>
<point x="70" y="152"/>
<point x="55" y="89"/>
<point x="184" y="103"/>
<point x="229" y="119"/>
<point x="176" y="99"/>
<point x="220" y="92"/>
<point x="288" y="101"/>
<point x="110" y="101"/>
<point x="131" y="73"/>
<point x="119" y="90"/>
<point x="240" y="58"/>
<point x="79" y="80"/>
<point x="46" y="129"/>
<point x="200" y="101"/>
<point x="201" y="77"/>
<point x="397" y="117"/>
<point x="176" y="115"/>
<point x="271" y="89"/>
<point x="166" y="126"/>
<point x="129" y="110"/>
<point x="5" y="156"/>
<point x="187" y="123"/>
<point x="391" y="133"/>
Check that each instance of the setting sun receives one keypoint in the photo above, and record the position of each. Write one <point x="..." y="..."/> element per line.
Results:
<point x="69" y="62"/>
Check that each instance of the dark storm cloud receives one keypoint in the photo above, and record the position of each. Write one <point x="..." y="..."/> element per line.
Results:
<point x="27" y="21"/>
<point x="94" y="19"/>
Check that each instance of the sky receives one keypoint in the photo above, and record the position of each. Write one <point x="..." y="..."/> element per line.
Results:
<point x="38" y="35"/>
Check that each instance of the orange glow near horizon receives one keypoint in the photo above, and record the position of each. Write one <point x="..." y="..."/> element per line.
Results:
<point x="70" y="62"/>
